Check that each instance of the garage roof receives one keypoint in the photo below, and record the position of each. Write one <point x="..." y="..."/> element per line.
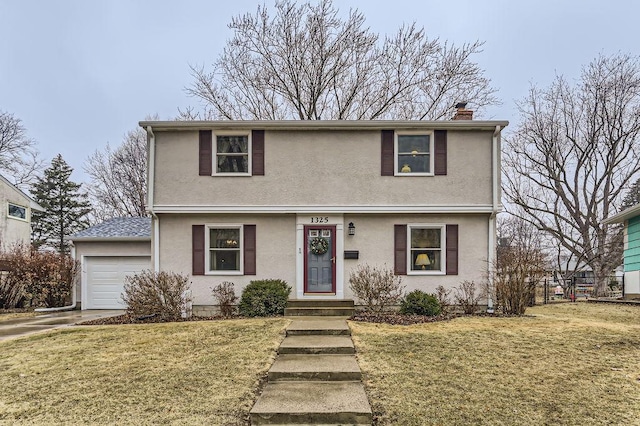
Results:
<point x="117" y="229"/>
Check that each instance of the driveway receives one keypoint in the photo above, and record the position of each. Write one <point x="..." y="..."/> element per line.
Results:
<point x="49" y="321"/>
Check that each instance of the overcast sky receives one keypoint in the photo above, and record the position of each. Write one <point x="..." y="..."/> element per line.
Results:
<point x="82" y="73"/>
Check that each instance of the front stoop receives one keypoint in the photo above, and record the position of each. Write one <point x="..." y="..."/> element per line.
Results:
<point x="315" y="379"/>
<point x="343" y="308"/>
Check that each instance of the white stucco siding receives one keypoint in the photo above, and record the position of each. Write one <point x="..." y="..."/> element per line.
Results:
<point x="323" y="167"/>
<point x="277" y="250"/>
<point x="374" y="240"/>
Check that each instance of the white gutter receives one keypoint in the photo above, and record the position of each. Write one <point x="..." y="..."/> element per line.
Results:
<point x="151" y="163"/>
<point x="72" y="306"/>
<point x="492" y="218"/>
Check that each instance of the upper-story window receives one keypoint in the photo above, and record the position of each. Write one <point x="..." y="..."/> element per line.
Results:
<point x="18" y="212"/>
<point x="414" y="153"/>
<point x="233" y="154"/>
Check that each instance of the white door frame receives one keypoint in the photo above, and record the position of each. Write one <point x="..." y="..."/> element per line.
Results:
<point x="319" y="219"/>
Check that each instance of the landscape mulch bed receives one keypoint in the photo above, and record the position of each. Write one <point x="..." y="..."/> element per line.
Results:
<point x="148" y="319"/>
<point x="392" y="318"/>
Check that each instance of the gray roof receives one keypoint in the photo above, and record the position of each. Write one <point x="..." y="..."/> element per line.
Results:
<point x="117" y="228"/>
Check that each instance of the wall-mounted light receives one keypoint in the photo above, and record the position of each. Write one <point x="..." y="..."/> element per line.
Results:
<point x="352" y="229"/>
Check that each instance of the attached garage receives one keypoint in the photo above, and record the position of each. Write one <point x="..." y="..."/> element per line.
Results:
<point x="109" y="252"/>
<point x="105" y="276"/>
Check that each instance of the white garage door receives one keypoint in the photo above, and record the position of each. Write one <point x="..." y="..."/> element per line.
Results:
<point x="105" y="279"/>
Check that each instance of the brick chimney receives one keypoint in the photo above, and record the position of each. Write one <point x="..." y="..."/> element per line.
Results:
<point x="462" y="113"/>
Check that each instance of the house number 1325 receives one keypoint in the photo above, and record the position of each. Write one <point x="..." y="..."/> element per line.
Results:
<point x="320" y="219"/>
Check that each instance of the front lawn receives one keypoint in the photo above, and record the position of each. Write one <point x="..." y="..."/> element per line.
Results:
<point x="568" y="364"/>
<point x="204" y="372"/>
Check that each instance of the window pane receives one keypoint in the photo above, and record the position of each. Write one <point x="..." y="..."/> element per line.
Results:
<point x="233" y="144"/>
<point x="224" y="238"/>
<point x="233" y="164"/>
<point x="425" y="238"/>
<point x="411" y="143"/>
<point x="17" y="211"/>
<point x="413" y="163"/>
<point x="225" y="260"/>
<point x="425" y="260"/>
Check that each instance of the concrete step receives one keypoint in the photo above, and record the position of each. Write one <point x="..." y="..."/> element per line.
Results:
<point x="319" y="311"/>
<point x="315" y="367"/>
<point x="318" y="326"/>
<point x="311" y="303"/>
<point x="312" y="402"/>
<point x="316" y="345"/>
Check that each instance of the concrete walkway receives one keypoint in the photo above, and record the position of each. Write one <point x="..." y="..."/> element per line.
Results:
<point x="315" y="379"/>
<point x="18" y="327"/>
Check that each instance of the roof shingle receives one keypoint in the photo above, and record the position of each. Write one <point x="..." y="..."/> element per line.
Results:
<point x="119" y="227"/>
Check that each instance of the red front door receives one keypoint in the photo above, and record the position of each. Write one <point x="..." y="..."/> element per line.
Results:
<point x="320" y="259"/>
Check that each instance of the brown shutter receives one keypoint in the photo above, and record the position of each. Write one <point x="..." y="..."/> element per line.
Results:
<point x="205" y="153"/>
<point x="249" y="249"/>
<point x="387" y="153"/>
<point x="197" y="241"/>
<point x="257" y="156"/>
<point x="452" y="249"/>
<point x="400" y="249"/>
<point x="440" y="153"/>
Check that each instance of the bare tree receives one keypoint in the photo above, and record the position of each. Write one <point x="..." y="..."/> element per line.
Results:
<point x="18" y="156"/>
<point x="521" y="262"/>
<point x="119" y="178"/>
<point x="309" y="63"/>
<point x="573" y="155"/>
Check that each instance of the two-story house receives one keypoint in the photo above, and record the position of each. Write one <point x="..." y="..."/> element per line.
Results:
<point x="15" y="215"/>
<point x="307" y="201"/>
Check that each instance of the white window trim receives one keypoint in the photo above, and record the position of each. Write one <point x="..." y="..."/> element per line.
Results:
<point x="26" y="212"/>
<point x="217" y="133"/>
<point x="207" y="257"/>
<point x="396" y="152"/>
<point x="443" y="248"/>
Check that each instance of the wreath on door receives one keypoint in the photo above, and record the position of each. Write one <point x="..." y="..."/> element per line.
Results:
<point x="319" y="246"/>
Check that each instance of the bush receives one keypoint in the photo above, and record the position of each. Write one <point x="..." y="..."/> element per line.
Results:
<point x="36" y="279"/>
<point x="442" y="294"/>
<point x="262" y="298"/>
<point x="467" y="297"/>
<point x="375" y="287"/>
<point x="156" y="293"/>
<point x="226" y="297"/>
<point x="420" y="303"/>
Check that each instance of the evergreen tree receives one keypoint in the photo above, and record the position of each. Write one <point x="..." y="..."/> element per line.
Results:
<point x="632" y="197"/>
<point x="65" y="207"/>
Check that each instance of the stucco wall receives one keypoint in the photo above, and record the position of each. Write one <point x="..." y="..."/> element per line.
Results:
<point x="108" y="248"/>
<point x="13" y="230"/>
<point x="323" y="168"/>
<point x="277" y="250"/>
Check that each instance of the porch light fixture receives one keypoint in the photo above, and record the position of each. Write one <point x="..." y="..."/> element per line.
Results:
<point x="352" y="229"/>
<point x="423" y="260"/>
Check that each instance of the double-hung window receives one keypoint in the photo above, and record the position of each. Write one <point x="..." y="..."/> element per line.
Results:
<point x="426" y="243"/>
<point x="17" y="212"/>
<point x="225" y="251"/>
<point x="233" y="154"/>
<point x="414" y="153"/>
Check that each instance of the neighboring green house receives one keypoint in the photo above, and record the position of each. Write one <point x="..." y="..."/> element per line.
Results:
<point x="631" y="219"/>
<point x="15" y="215"/>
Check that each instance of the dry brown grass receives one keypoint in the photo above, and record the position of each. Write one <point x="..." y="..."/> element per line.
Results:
<point x="14" y="315"/>
<point x="569" y="364"/>
<point x="176" y="373"/>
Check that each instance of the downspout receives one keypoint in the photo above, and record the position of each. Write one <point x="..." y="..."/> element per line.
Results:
<point x="495" y="202"/>
<point x="70" y="307"/>
<point x="150" y="188"/>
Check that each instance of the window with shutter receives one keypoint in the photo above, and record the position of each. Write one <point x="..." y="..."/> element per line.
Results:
<point x="413" y="153"/>
<point x="224" y="249"/>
